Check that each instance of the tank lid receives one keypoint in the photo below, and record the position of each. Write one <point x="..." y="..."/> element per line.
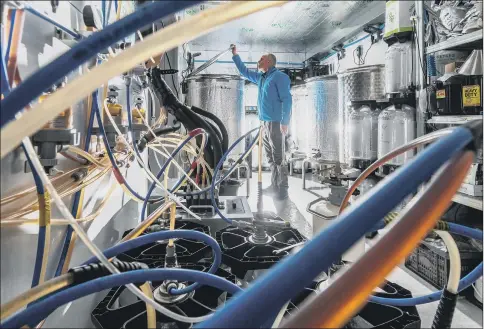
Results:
<point x="322" y="78"/>
<point x="215" y="76"/>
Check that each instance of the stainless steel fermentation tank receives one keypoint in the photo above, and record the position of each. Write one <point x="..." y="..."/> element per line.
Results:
<point x="222" y="95"/>
<point x="319" y="127"/>
<point x="359" y="87"/>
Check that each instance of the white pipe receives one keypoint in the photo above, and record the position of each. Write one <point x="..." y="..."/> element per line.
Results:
<point x="455" y="262"/>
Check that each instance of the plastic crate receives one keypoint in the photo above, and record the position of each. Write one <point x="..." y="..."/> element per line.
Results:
<point x="431" y="260"/>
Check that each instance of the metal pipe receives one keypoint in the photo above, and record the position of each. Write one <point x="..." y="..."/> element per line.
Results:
<point x="210" y="62"/>
<point x="420" y="55"/>
<point x="364" y="276"/>
<point x="304" y="172"/>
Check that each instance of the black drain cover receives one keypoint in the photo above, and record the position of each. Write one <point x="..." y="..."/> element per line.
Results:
<point x="241" y="255"/>
<point x="109" y="314"/>
<point x="187" y="250"/>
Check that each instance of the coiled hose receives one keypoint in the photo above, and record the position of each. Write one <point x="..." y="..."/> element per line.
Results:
<point x="185" y="115"/>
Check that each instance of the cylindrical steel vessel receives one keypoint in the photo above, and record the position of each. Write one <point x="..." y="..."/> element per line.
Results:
<point x="364" y="83"/>
<point x="222" y="95"/>
<point x="396" y="127"/>
<point x="362" y="136"/>
<point x="359" y="126"/>
<point x="323" y="116"/>
<point x="303" y="128"/>
<point x="399" y="67"/>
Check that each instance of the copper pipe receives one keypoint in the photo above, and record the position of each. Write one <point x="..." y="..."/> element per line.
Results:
<point x="429" y="138"/>
<point x="16" y="37"/>
<point x="416" y="221"/>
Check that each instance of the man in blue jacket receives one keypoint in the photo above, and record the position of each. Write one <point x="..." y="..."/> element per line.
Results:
<point x="274" y="103"/>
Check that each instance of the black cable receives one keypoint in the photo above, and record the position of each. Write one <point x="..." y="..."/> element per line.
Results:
<point x="187" y="117"/>
<point x="169" y="65"/>
<point x="364" y="58"/>
<point x="445" y="310"/>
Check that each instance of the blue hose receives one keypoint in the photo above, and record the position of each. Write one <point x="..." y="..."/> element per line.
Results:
<point x="465" y="231"/>
<point x="42" y="309"/>
<point x="290" y="276"/>
<point x="163" y="168"/>
<point x="83" y="51"/>
<point x="164" y="235"/>
<point x="464" y="283"/>
<point x="135" y="147"/>
<point x="219" y="164"/>
<point x="10" y="35"/>
<point x="75" y="201"/>
<point x="114" y="164"/>
<point x="103" y="9"/>
<point x="39" y="256"/>
<point x="4" y="86"/>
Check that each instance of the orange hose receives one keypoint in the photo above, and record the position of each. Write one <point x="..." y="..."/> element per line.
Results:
<point x="16" y="37"/>
<point x="387" y="157"/>
<point x="371" y="269"/>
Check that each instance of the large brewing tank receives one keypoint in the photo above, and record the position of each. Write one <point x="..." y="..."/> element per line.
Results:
<point x="302" y="126"/>
<point x="222" y="95"/>
<point x="366" y="83"/>
<point x="400" y="67"/>
<point x="323" y="116"/>
<point x="396" y="127"/>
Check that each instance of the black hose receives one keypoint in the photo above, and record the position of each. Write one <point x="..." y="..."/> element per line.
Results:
<point x="218" y="122"/>
<point x="213" y="138"/>
<point x="187" y="117"/>
<point x="445" y="311"/>
<point x="147" y="138"/>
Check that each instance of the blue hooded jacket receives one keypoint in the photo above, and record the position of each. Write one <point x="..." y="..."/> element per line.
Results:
<point x="274" y="100"/>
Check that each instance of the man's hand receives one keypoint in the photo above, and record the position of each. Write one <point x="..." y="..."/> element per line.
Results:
<point x="284" y="129"/>
<point x="234" y="50"/>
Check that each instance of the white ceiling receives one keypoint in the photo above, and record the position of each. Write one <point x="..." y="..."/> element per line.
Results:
<point x="293" y="27"/>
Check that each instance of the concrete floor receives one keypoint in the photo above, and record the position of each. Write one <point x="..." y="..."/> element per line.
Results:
<point x="293" y="209"/>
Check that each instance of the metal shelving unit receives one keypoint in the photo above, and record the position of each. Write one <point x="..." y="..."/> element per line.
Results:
<point x="461" y="41"/>
<point x="467" y="200"/>
<point x="453" y="119"/>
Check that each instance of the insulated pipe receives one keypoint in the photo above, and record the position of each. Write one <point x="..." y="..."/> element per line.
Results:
<point x="364" y="276"/>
